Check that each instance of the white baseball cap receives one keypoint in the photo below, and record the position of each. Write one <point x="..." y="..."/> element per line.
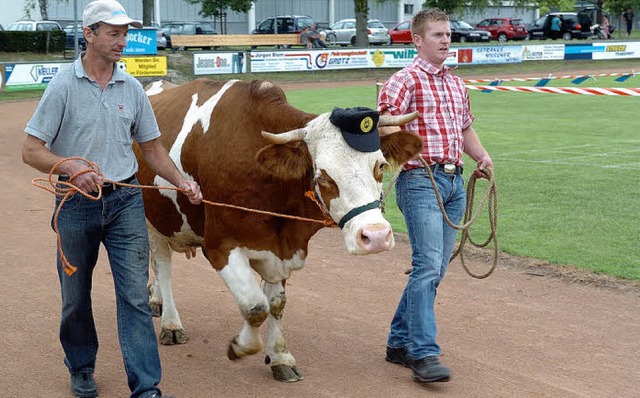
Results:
<point x="108" y="11"/>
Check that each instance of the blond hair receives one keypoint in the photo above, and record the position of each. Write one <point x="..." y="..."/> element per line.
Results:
<point x="418" y="22"/>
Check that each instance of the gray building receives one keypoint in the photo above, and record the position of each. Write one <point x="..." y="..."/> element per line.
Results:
<point x="324" y="12"/>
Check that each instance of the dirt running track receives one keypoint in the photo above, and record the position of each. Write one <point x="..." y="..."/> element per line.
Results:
<point x="520" y="333"/>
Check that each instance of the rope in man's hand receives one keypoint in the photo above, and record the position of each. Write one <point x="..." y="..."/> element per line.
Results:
<point x="66" y="189"/>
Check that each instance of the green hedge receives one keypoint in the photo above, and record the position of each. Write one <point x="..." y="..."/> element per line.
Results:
<point x="38" y="42"/>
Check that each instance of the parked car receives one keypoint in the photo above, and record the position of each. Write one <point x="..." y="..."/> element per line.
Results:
<point x="285" y="24"/>
<point x="34" y="25"/>
<point x="463" y="32"/>
<point x="186" y="28"/>
<point x="573" y="26"/>
<point x="401" y="33"/>
<point x="503" y="29"/>
<point x="343" y="32"/>
<point x="460" y="32"/>
<point x="72" y="34"/>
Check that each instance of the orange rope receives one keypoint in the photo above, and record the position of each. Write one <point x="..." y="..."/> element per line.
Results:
<point x="67" y="189"/>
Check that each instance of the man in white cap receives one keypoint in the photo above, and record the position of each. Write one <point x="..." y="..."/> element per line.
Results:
<point x="94" y="110"/>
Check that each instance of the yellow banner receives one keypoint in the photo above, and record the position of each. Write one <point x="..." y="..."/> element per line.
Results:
<point x="146" y="66"/>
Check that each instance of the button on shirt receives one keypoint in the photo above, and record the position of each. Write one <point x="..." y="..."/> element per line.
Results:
<point x="442" y="102"/>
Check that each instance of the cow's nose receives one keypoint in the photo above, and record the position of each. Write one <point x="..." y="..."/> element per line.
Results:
<point x="375" y="238"/>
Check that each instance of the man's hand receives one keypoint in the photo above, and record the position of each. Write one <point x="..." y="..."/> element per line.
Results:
<point x="88" y="181"/>
<point x="483" y="164"/>
<point x="192" y="190"/>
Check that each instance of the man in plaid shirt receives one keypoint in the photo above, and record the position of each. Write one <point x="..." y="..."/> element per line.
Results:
<point x="444" y="123"/>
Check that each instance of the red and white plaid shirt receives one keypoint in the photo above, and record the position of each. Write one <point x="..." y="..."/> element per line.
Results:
<point x="442" y="102"/>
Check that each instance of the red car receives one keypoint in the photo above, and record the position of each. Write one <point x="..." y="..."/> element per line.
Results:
<point x="401" y="33"/>
<point x="503" y="29"/>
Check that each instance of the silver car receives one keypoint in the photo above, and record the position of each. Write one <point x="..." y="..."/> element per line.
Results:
<point x="343" y="33"/>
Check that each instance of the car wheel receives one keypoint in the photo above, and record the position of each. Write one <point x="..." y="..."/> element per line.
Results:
<point x="502" y="38"/>
<point x="331" y="39"/>
<point x="567" y="36"/>
<point x="353" y="41"/>
<point x="463" y="39"/>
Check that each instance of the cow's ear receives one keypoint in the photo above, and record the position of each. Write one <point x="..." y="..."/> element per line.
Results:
<point x="285" y="161"/>
<point x="400" y="146"/>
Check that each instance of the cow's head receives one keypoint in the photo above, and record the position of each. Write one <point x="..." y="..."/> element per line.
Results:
<point x="347" y="176"/>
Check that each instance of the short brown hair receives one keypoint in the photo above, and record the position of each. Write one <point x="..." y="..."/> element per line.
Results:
<point x="429" y="15"/>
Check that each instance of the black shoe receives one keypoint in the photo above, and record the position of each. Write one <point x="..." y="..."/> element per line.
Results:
<point x="399" y="356"/>
<point x="429" y="370"/>
<point x="83" y="385"/>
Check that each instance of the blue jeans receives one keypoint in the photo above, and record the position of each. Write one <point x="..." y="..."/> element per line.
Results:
<point x="432" y="240"/>
<point x="118" y="221"/>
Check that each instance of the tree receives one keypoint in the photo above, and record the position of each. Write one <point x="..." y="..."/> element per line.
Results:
<point x="30" y="6"/>
<point x="218" y="9"/>
<point x="361" y="8"/>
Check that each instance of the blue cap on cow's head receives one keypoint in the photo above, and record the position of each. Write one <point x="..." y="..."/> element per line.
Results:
<point x="359" y="127"/>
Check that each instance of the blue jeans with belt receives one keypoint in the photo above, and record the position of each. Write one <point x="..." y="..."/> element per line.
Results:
<point x="118" y="221"/>
<point x="432" y="241"/>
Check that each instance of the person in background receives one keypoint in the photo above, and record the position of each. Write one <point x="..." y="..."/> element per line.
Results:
<point x="305" y="37"/>
<point x="444" y="123"/>
<point x="556" y="24"/>
<point x="94" y="110"/>
<point x="316" y="38"/>
<point x="628" y="18"/>
<point x="605" y="26"/>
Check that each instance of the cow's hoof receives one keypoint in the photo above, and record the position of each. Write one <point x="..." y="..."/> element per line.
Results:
<point x="286" y="373"/>
<point x="173" y="336"/>
<point x="156" y="309"/>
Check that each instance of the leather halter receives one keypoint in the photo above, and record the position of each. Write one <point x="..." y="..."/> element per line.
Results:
<point x="351" y="213"/>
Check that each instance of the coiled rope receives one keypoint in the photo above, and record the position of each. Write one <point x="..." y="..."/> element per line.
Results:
<point x="490" y="198"/>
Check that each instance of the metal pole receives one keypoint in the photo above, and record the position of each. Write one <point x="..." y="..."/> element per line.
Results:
<point x="75" y="29"/>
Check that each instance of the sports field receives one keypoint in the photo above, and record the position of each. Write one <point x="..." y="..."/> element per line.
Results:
<point x="566" y="169"/>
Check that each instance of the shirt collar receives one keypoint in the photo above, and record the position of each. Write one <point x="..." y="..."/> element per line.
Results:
<point x="429" y="68"/>
<point x="118" y="74"/>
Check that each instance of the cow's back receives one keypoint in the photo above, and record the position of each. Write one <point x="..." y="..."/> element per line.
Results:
<point x="214" y="137"/>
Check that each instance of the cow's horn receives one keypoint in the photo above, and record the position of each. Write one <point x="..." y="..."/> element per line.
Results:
<point x="283" y="138"/>
<point x="388" y="120"/>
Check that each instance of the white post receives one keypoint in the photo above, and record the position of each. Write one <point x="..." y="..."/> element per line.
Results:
<point x="156" y="11"/>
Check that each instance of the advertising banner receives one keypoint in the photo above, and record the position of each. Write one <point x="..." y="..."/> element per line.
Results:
<point x="19" y="77"/>
<point x="543" y="52"/>
<point x="219" y="63"/>
<point x="616" y="50"/>
<point x="309" y="60"/>
<point x="497" y="55"/>
<point x="145" y="66"/>
<point x="141" y="42"/>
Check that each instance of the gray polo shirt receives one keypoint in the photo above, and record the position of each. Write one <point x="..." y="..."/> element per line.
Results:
<point x="76" y="118"/>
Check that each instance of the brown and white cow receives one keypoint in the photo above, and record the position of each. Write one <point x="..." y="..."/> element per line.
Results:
<point x="246" y="146"/>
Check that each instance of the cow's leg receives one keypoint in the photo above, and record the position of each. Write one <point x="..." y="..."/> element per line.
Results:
<point x="161" y="293"/>
<point x="243" y="285"/>
<point x="283" y="364"/>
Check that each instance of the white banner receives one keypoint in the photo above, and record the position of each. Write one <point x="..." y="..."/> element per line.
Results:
<point x="309" y="60"/>
<point x="543" y="52"/>
<point x="30" y="76"/>
<point x="497" y="54"/>
<point x="219" y="63"/>
<point x="616" y="50"/>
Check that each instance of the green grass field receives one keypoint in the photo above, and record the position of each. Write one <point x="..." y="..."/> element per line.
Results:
<point x="566" y="169"/>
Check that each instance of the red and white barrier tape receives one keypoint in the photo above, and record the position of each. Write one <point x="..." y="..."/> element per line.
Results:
<point x="562" y="90"/>
<point x="550" y="77"/>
